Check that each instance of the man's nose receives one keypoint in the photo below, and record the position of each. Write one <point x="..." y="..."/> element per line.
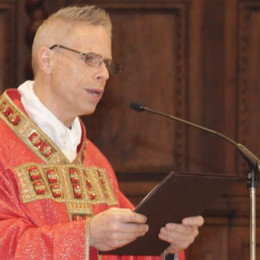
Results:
<point x="103" y="73"/>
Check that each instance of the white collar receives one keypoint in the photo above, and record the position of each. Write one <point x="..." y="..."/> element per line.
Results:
<point x="67" y="139"/>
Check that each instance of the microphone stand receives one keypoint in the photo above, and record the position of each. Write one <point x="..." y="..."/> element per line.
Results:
<point x="252" y="182"/>
<point x="252" y="185"/>
<point x="252" y="160"/>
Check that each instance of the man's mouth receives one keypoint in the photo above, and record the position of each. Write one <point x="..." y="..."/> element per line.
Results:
<point x="95" y="92"/>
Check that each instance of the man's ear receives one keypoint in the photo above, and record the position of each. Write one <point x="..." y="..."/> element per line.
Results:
<point x="44" y="59"/>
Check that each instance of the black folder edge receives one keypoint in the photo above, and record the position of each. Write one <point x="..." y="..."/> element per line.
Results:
<point x="190" y="194"/>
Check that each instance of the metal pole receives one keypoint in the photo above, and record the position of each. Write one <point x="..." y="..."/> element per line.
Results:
<point x="252" y="184"/>
<point x="253" y="224"/>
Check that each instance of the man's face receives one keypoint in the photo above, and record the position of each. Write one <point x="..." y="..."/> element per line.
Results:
<point x="75" y="86"/>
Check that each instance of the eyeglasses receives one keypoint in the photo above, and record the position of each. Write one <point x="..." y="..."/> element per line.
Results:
<point x="94" y="60"/>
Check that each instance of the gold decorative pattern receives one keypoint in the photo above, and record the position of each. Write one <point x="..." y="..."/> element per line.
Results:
<point x="73" y="184"/>
<point x="24" y="128"/>
<point x="10" y="114"/>
<point x="76" y="186"/>
<point x="87" y="238"/>
<point x="31" y="134"/>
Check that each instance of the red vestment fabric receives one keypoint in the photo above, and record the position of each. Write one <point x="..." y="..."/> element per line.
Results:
<point x="40" y="216"/>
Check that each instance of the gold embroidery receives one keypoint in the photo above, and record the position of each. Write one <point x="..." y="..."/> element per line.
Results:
<point x="76" y="186"/>
<point x="87" y="245"/>
<point x="73" y="184"/>
<point x="10" y="114"/>
<point x="31" y="134"/>
<point x="42" y="145"/>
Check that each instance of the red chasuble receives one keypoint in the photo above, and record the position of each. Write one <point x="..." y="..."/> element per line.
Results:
<point x="46" y="201"/>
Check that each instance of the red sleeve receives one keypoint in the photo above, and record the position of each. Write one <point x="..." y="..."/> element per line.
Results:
<point x="124" y="202"/>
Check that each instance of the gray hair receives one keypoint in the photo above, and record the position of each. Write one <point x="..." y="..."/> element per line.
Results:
<point x="68" y="16"/>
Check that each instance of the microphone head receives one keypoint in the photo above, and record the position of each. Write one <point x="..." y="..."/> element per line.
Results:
<point x="137" y="106"/>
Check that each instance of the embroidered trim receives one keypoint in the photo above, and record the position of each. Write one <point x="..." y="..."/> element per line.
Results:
<point x="31" y="134"/>
<point x="87" y="246"/>
<point x="76" y="186"/>
<point x="10" y="114"/>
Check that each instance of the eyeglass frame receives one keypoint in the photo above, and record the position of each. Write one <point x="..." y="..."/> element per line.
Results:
<point x="112" y="67"/>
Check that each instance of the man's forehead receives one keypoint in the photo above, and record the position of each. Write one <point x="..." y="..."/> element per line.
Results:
<point x="85" y="37"/>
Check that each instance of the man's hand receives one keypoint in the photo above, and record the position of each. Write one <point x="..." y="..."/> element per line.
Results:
<point x="180" y="236"/>
<point x="116" y="227"/>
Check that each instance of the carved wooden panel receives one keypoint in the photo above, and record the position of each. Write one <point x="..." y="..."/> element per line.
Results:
<point x="211" y="244"/>
<point x="8" y="49"/>
<point x="211" y="92"/>
<point x="248" y="76"/>
<point x="239" y="243"/>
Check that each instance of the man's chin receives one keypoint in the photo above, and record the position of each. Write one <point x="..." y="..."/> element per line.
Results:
<point x="89" y="111"/>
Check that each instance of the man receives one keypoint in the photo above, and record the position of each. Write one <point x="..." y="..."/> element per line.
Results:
<point x="59" y="198"/>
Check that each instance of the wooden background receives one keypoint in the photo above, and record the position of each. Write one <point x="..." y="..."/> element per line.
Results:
<point x="196" y="59"/>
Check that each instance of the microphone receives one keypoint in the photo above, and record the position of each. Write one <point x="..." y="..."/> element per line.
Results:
<point x="251" y="159"/>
